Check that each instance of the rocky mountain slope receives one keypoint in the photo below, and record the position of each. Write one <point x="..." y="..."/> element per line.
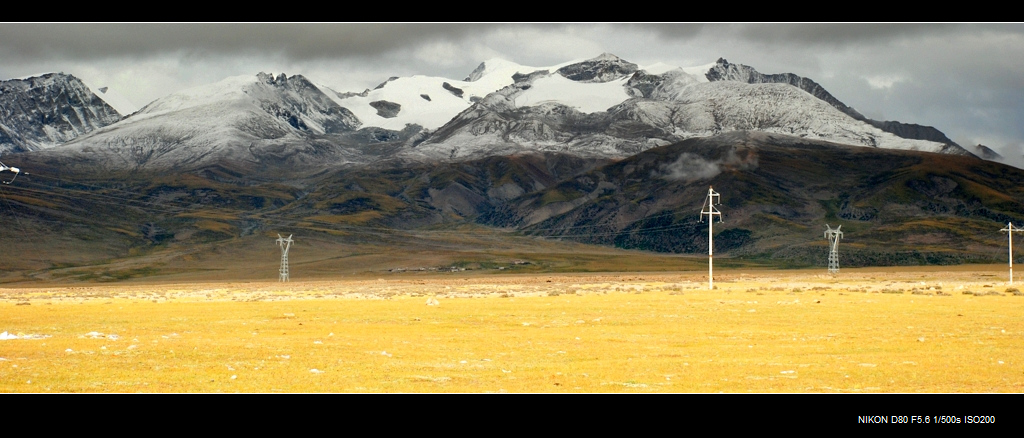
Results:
<point x="254" y="124"/>
<point x="628" y="110"/>
<point x="604" y="107"/>
<point x="651" y="111"/>
<point x="45" y="111"/>
<point x="724" y="71"/>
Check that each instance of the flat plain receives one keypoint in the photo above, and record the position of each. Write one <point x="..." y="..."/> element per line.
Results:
<point x="873" y="330"/>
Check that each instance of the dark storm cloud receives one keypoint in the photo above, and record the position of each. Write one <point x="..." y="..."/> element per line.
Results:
<point x="302" y="41"/>
<point x="812" y="34"/>
<point x="296" y="41"/>
<point x="836" y="34"/>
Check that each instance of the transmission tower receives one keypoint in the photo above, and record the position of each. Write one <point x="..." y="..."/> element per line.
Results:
<point x="710" y="210"/>
<point x="1010" y="229"/>
<point x="833" y="237"/>
<point x="285" y="244"/>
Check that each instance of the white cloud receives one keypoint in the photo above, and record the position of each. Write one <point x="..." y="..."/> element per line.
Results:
<point x="884" y="81"/>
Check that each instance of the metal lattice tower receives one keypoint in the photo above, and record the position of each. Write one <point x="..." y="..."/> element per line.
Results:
<point x="710" y="210"/>
<point x="833" y="237"/>
<point x="1010" y="229"/>
<point x="285" y="245"/>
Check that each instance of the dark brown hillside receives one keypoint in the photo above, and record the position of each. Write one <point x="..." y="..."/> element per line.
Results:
<point x="64" y="217"/>
<point x="897" y="207"/>
<point x="777" y="192"/>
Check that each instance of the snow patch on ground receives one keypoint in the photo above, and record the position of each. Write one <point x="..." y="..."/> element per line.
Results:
<point x="97" y="335"/>
<point x="8" y="336"/>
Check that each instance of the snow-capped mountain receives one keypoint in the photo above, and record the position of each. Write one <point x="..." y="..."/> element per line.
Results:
<point x="238" y="118"/>
<point x="607" y="107"/>
<point x="604" y="107"/>
<point x="427" y="101"/>
<point x="723" y="70"/>
<point x="48" y="110"/>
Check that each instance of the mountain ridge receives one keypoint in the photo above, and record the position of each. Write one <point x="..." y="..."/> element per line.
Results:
<point x="723" y="70"/>
<point x="47" y="110"/>
<point x="603" y="107"/>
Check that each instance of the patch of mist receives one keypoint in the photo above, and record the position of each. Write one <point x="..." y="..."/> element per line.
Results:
<point x="1012" y="154"/>
<point x="692" y="167"/>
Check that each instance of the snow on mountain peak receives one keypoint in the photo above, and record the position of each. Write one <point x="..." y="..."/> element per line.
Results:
<point x="215" y="120"/>
<point x="430" y="101"/>
<point x="606" y="57"/>
<point x="584" y="96"/>
<point x="491" y="66"/>
<point x="603" y="106"/>
<point x="229" y="88"/>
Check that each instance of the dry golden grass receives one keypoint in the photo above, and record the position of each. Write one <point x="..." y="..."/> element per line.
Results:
<point x="877" y="331"/>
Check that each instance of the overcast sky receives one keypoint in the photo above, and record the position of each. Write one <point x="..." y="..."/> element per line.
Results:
<point x="967" y="80"/>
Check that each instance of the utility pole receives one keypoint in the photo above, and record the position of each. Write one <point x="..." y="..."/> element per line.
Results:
<point x="833" y="237"/>
<point x="285" y="245"/>
<point x="710" y="210"/>
<point x="1010" y="229"/>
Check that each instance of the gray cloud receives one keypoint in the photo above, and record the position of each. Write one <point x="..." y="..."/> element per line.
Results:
<point x="296" y="41"/>
<point x="301" y="41"/>
<point x="836" y="34"/>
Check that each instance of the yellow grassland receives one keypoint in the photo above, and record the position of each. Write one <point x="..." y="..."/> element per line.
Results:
<point x="354" y="218"/>
<point x="209" y="214"/>
<point x="903" y="330"/>
<point x="215" y="226"/>
<point x="124" y="231"/>
<point x="28" y="200"/>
